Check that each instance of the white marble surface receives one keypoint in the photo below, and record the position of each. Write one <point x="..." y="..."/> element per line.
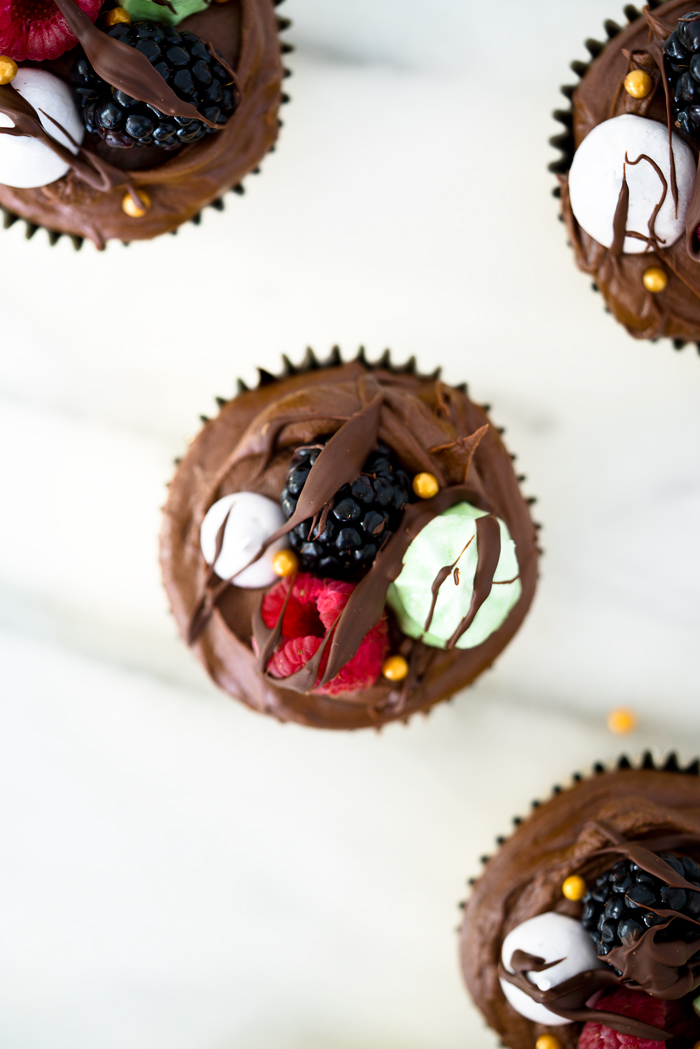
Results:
<point x="178" y="873"/>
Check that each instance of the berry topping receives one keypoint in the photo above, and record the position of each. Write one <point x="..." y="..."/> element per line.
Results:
<point x="626" y="1003"/>
<point x="363" y="515"/>
<point x="35" y="30"/>
<point x="187" y="66"/>
<point x="621" y="905"/>
<point x="313" y="607"/>
<point x="682" y="50"/>
<point x="667" y="1016"/>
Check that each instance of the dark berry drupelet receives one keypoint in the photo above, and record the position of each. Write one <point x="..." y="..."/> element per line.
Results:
<point x="682" y="51"/>
<point x="616" y="909"/>
<point x="362" y="518"/>
<point x="190" y="70"/>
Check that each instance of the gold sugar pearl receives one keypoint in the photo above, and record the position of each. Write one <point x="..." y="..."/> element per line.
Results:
<point x="395" y="668"/>
<point x="425" y="485"/>
<point x="117" y="15"/>
<point x="574" y="888"/>
<point x="131" y="208"/>
<point x="638" y="84"/>
<point x="285" y="563"/>
<point x="547" y="1041"/>
<point x="8" y="70"/>
<point x="621" y="721"/>
<point x="655" y="279"/>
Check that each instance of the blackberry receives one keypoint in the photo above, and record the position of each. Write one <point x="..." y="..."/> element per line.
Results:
<point x="616" y="908"/>
<point x="362" y="517"/>
<point x="188" y="67"/>
<point x="682" y="51"/>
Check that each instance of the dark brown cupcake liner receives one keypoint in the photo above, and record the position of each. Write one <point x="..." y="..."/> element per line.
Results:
<point x="9" y="218"/>
<point x="646" y="761"/>
<point x="564" y="141"/>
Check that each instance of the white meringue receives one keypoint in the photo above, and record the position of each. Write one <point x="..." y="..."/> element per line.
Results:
<point x="251" y="520"/>
<point x="595" y="181"/>
<point x="550" y="936"/>
<point x="26" y="163"/>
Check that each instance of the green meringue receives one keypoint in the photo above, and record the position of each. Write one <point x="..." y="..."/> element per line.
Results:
<point x="147" y="11"/>
<point x="439" y="544"/>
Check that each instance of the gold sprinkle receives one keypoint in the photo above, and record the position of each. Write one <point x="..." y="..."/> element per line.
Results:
<point x="117" y="15"/>
<point x="425" y="485"/>
<point x="284" y="563"/>
<point x="8" y="69"/>
<point x="621" y="721"/>
<point x="638" y="84"/>
<point x="395" y="668"/>
<point x="131" y="208"/>
<point x="547" y="1041"/>
<point x="655" y="279"/>
<point x="574" y="888"/>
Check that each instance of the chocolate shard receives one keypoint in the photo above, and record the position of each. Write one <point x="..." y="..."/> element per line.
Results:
<point x="124" y="67"/>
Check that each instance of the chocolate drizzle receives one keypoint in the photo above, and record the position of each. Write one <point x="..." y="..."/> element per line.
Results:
<point x="88" y="167"/>
<point x="620" y="217"/>
<point x="126" y="68"/>
<point x="567" y="999"/>
<point x="488" y="543"/>
<point x="443" y="574"/>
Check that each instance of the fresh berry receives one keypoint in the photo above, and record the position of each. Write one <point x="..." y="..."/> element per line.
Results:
<point x="626" y="1003"/>
<point x="312" y="609"/>
<point x="188" y="67"/>
<point x="362" y="518"/>
<point x="35" y="30"/>
<point x="682" y="50"/>
<point x="616" y="910"/>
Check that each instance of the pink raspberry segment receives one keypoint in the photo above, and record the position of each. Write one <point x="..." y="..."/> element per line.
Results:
<point x="627" y="1003"/>
<point x="313" y="607"/>
<point x="35" y="30"/>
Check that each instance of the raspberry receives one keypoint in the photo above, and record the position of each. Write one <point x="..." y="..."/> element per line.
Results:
<point x="662" y="1014"/>
<point x="313" y="607"/>
<point x="35" y="30"/>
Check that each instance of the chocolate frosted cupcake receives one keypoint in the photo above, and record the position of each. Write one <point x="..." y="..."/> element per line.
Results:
<point x="128" y="127"/>
<point x="347" y="544"/>
<point x="628" y="175"/>
<point x="583" y="931"/>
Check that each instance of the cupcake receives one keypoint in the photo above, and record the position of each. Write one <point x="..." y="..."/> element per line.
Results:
<point x="583" y="932"/>
<point x="628" y="174"/>
<point x="347" y="543"/>
<point x="125" y="122"/>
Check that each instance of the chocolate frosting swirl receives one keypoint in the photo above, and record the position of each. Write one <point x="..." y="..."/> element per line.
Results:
<point x="675" y="312"/>
<point x="249" y="446"/>
<point x="584" y="830"/>
<point x="246" y="34"/>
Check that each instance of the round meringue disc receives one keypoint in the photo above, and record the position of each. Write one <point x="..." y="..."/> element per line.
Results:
<point x="26" y="163"/>
<point x="595" y="181"/>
